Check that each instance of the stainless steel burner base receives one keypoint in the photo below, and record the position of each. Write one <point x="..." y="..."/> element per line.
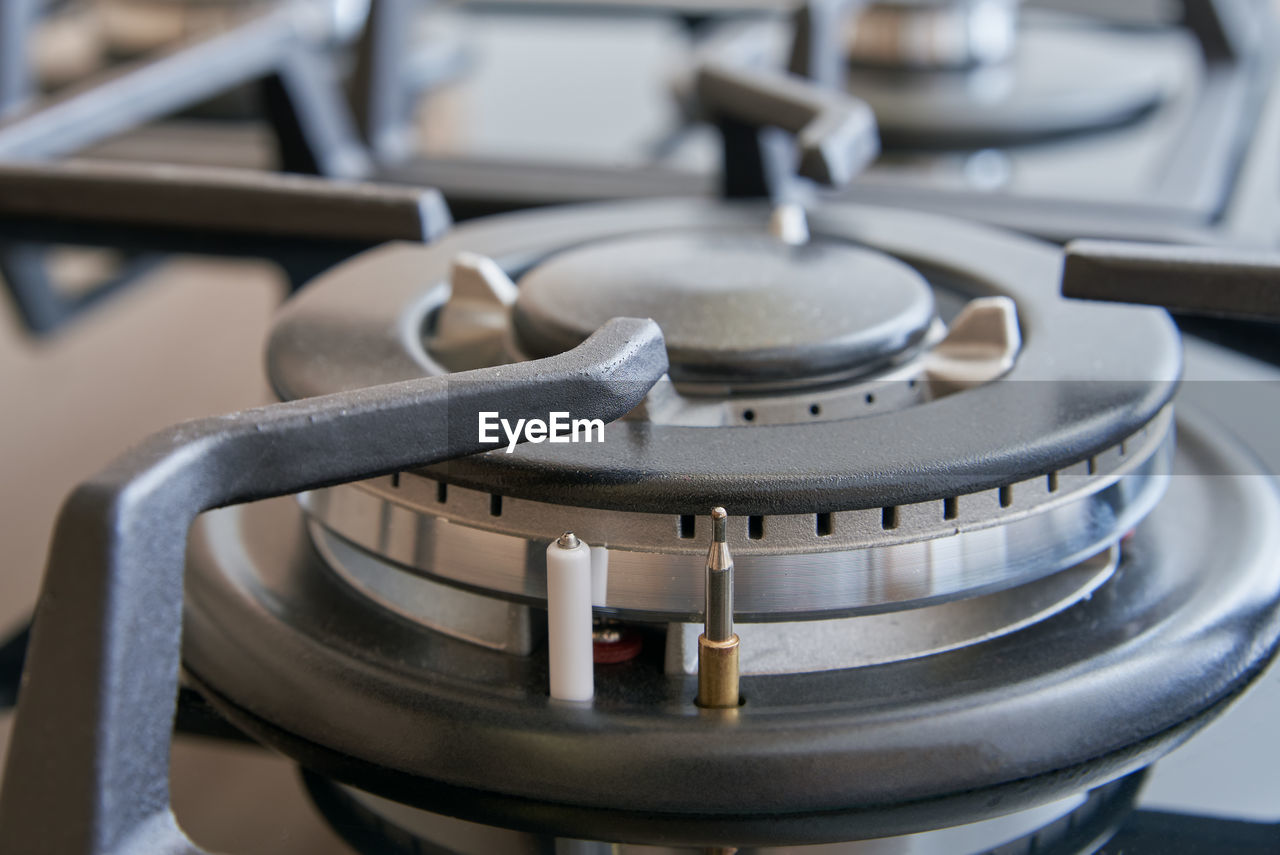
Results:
<point x="936" y="551"/>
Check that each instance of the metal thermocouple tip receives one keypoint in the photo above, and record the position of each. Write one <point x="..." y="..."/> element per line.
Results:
<point x="718" y="645"/>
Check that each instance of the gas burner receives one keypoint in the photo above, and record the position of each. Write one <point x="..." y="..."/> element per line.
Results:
<point x="1065" y="79"/>
<point x="1067" y="120"/>
<point x="803" y="462"/>
<point x="1044" y="452"/>
<point x="966" y="75"/>
<point x="949" y="626"/>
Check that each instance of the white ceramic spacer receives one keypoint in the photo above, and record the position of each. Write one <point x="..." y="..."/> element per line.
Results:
<point x="569" y="619"/>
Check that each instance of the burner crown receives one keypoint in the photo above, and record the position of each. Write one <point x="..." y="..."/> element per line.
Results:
<point x="734" y="306"/>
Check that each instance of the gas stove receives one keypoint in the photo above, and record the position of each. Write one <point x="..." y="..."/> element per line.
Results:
<point x="804" y="519"/>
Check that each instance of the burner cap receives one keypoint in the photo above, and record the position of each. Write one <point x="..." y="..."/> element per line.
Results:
<point x="733" y="306"/>
<point x="1061" y="81"/>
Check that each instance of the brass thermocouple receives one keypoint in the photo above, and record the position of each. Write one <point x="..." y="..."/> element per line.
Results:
<point x="718" y="644"/>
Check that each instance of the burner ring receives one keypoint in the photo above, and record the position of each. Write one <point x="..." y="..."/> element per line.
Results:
<point x="796" y="566"/>
<point x="1087" y="376"/>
